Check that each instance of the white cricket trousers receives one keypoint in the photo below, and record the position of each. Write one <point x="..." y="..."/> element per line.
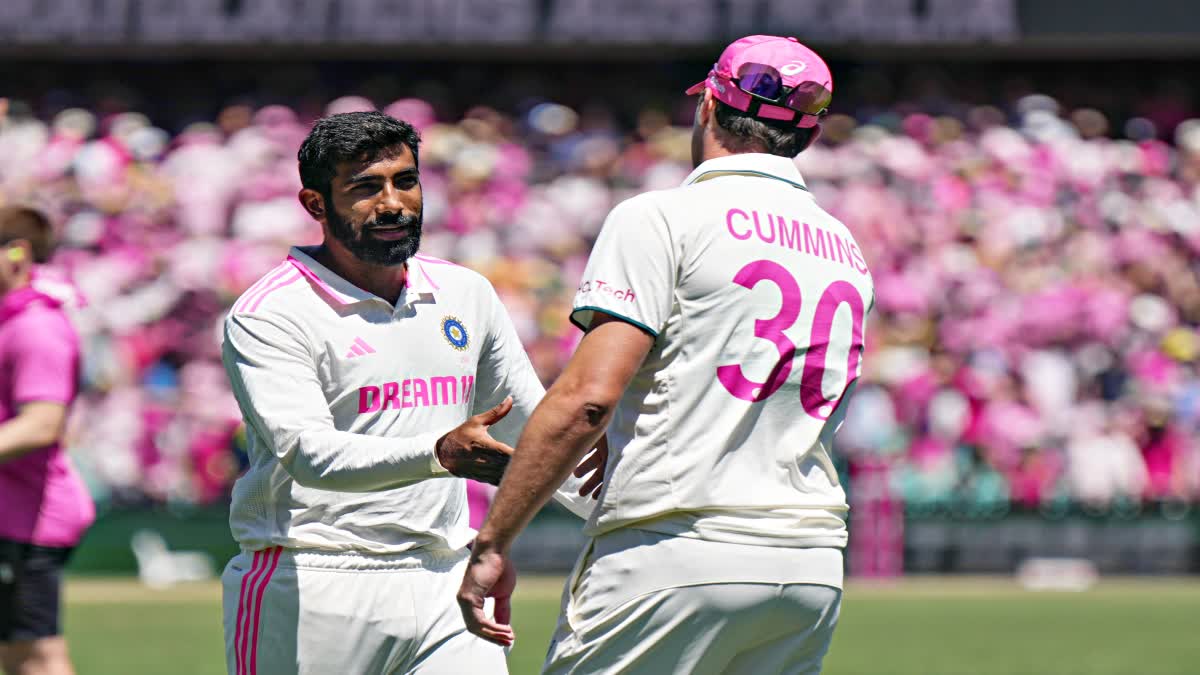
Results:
<point x="290" y="612"/>
<point x="650" y="604"/>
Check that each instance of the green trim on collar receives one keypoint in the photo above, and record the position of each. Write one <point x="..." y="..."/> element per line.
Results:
<point x="717" y="173"/>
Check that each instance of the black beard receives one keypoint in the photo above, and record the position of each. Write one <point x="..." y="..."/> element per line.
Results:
<point x="376" y="251"/>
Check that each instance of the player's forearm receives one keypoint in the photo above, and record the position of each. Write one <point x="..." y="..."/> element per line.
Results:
<point x="568" y="422"/>
<point x="346" y="462"/>
<point x="24" y="434"/>
<point x="564" y="427"/>
<point x="273" y="377"/>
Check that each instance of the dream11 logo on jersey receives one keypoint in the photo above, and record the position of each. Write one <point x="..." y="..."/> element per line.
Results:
<point x="607" y="289"/>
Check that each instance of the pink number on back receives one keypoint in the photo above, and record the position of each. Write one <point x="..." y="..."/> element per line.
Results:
<point x="771" y="329"/>
<point x="811" y="395"/>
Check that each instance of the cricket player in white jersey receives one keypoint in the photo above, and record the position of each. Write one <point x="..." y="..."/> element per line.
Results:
<point x="724" y="325"/>
<point x="361" y="370"/>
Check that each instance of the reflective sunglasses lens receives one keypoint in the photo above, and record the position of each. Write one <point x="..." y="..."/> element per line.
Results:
<point x="809" y="97"/>
<point x="760" y="80"/>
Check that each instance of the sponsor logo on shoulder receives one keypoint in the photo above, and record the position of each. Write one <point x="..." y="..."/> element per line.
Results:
<point x="598" y="286"/>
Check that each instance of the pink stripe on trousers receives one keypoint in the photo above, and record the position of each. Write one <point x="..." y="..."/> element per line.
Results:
<point x="258" y="609"/>
<point x="239" y="635"/>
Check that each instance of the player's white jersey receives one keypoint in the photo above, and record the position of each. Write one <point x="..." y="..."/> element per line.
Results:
<point x="345" y="395"/>
<point x="757" y="298"/>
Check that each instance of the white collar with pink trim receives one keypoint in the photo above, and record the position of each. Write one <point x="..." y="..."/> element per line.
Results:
<point x="343" y="292"/>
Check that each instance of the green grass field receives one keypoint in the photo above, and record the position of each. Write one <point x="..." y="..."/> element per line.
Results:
<point x="942" y="626"/>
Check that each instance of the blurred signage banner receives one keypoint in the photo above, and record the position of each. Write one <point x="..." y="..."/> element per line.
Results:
<point x="558" y="23"/>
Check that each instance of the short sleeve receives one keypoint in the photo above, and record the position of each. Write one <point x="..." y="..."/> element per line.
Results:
<point x="45" y="358"/>
<point x="631" y="273"/>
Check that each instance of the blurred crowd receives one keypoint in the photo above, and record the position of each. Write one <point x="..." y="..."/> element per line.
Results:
<point x="1034" y="341"/>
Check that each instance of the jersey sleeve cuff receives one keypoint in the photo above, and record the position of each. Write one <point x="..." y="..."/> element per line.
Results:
<point x="435" y="466"/>
<point x="582" y="317"/>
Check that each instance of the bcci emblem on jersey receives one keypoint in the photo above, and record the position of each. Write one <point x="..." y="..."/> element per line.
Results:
<point x="455" y="333"/>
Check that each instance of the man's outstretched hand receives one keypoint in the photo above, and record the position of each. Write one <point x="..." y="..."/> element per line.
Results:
<point x="490" y="574"/>
<point x="468" y="451"/>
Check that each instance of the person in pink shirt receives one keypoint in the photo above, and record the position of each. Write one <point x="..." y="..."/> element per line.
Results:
<point x="45" y="504"/>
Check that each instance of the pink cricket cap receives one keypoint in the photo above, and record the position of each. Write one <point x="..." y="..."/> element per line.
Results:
<point x="759" y="62"/>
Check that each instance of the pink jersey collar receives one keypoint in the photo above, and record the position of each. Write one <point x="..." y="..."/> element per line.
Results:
<point x="343" y="292"/>
<point x="17" y="301"/>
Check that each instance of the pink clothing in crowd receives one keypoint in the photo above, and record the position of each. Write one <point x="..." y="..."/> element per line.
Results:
<point x="43" y="499"/>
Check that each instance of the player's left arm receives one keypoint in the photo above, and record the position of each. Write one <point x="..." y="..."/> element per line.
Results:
<point x="569" y="421"/>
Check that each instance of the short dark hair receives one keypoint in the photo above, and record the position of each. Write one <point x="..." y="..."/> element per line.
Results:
<point x="345" y="137"/>
<point x="744" y="133"/>
<point x="31" y="225"/>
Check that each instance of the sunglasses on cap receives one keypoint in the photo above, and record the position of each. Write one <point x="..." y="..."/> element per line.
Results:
<point x="764" y="85"/>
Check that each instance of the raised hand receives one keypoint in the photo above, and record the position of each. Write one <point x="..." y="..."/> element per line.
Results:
<point x="468" y="451"/>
